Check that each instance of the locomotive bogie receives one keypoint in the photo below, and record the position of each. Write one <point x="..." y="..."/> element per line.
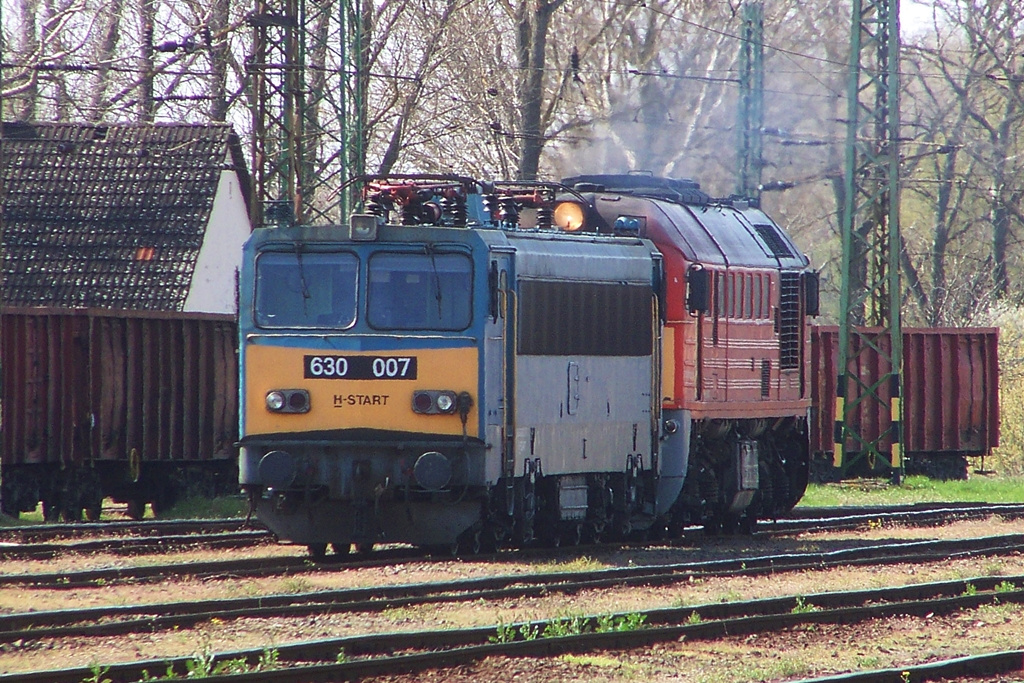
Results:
<point x="427" y="492"/>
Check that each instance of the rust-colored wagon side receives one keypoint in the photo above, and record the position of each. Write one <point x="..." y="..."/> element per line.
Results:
<point x="136" y="405"/>
<point x="950" y="396"/>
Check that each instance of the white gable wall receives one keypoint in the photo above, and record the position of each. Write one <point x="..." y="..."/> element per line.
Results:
<point x="213" y="282"/>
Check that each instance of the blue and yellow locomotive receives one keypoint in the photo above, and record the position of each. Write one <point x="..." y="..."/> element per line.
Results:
<point x="466" y="365"/>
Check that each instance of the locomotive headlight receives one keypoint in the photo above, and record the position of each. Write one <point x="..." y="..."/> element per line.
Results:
<point x="275" y="400"/>
<point x="569" y="216"/>
<point x="363" y="227"/>
<point x="288" y="401"/>
<point x="434" y="402"/>
<point x="445" y="402"/>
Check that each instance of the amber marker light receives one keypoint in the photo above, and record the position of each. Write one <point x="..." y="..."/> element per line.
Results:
<point x="569" y="216"/>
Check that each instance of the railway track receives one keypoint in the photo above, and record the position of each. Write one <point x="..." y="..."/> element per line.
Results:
<point x="963" y="669"/>
<point x="37" y="533"/>
<point x="354" y="657"/>
<point x="920" y="514"/>
<point x="42" y="542"/>
<point x="120" y="620"/>
<point x="152" y="536"/>
<point x="137" y="546"/>
<point x="823" y="519"/>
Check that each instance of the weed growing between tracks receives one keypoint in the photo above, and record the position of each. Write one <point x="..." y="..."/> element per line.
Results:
<point x="577" y="564"/>
<point x="802" y="606"/>
<point x="203" y="664"/>
<point x="569" y="625"/>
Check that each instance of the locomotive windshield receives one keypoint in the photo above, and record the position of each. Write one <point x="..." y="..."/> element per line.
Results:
<point x="429" y="291"/>
<point x="296" y="289"/>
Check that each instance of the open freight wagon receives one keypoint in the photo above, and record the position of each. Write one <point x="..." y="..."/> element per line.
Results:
<point x="950" y="404"/>
<point x="140" y="406"/>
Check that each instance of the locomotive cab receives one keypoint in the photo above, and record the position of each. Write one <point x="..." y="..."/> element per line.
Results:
<point x="360" y="384"/>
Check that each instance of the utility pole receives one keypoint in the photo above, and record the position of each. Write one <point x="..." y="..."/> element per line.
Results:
<point x="869" y="316"/>
<point x="3" y="211"/>
<point x="751" y="101"/>
<point x="307" y="73"/>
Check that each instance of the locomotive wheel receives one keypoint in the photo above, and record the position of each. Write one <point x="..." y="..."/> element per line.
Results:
<point x="317" y="551"/>
<point x="364" y="548"/>
<point x="713" y="527"/>
<point x="444" y="550"/>
<point x="473" y="543"/>
<point x="342" y="549"/>
<point x="92" y="513"/>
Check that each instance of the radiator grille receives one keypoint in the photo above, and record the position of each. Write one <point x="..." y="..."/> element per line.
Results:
<point x="789" y="321"/>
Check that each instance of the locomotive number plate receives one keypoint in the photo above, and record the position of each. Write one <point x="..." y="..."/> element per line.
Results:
<point x="359" y="367"/>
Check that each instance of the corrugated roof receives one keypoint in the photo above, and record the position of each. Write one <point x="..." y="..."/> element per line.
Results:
<point x="108" y="216"/>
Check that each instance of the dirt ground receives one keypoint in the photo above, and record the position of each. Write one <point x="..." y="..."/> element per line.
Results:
<point x="800" y="653"/>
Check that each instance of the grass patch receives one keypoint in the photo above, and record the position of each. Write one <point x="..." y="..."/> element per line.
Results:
<point x="784" y="667"/>
<point x="916" y="489"/>
<point x="25" y="519"/>
<point x="598" y="662"/>
<point x="578" y="564"/>
<point x="207" y="508"/>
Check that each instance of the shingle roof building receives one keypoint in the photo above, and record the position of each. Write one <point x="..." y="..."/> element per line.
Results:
<point x="119" y="216"/>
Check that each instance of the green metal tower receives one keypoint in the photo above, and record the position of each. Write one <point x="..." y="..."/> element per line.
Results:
<point x="869" y="316"/>
<point x="307" y="94"/>
<point x="751" y="101"/>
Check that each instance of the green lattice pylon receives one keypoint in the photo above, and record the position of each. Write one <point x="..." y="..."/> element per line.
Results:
<point x="308" y="88"/>
<point x="868" y="430"/>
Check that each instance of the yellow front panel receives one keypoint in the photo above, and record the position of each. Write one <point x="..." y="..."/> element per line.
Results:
<point x="357" y="404"/>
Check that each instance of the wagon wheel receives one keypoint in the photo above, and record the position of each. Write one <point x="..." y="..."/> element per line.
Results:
<point x="341" y="549"/>
<point x="364" y="547"/>
<point x="93" y="506"/>
<point x="71" y="513"/>
<point x="9" y="506"/>
<point x="51" y="511"/>
<point x="136" y="509"/>
<point x="317" y="551"/>
<point x="164" y="500"/>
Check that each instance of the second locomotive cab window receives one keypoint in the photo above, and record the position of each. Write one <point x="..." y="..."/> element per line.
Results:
<point x="420" y="291"/>
<point x="313" y="289"/>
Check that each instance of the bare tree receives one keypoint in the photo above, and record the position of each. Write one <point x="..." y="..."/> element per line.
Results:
<point x="990" y="95"/>
<point x="962" y="111"/>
